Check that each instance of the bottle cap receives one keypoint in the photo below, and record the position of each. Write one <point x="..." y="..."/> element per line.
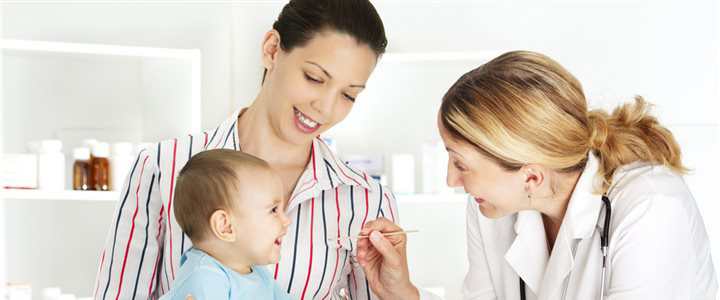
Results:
<point x="101" y="150"/>
<point x="81" y="153"/>
<point x="33" y="147"/>
<point x="51" y="292"/>
<point x="50" y="146"/>
<point x="89" y="143"/>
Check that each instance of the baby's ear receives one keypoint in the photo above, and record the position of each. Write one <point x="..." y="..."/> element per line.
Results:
<point x="222" y="227"/>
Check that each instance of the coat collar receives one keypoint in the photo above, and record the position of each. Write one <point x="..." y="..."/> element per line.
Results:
<point x="528" y="255"/>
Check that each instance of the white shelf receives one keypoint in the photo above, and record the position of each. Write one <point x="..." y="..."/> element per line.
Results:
<point x="113" y="93"/>
<point x="101" y="49"/>
<point x="109" y="196"/>
<point x="194" y="56"/>
<point x="14" y="194"/>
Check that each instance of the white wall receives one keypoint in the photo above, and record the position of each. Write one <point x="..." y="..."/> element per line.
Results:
<point x="65" y="239"/>
<point x="204" y="26"/>
<point x="667" y="52"/>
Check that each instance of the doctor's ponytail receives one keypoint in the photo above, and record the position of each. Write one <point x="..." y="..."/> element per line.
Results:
<point x="631" y="134"/>
<point x="524" y="108"/>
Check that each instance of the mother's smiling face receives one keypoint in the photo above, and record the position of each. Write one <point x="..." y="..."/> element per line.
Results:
<point x="313" y="87"/>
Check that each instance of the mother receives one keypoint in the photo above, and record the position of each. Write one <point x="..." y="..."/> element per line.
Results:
<point x="317" y="57"/>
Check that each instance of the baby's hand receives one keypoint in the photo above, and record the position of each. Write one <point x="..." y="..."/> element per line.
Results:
<point x="189" y="297"/>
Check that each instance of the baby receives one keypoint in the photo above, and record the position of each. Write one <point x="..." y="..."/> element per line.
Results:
<point x="230" y="206"/>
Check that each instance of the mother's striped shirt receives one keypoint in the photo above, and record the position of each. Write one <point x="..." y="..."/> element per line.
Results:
<point x="144" y="245"/>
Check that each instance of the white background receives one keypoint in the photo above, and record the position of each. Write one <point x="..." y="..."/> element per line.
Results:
<point x="666" y="51"/>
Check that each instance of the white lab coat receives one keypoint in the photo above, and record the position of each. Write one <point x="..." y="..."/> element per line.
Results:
<point x="658" y="246"/>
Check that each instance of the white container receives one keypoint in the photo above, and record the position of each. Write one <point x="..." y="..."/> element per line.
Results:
<point x="18" y="292"/>
<point x="67" y="297"/>
<point x="434" y="168"/>
<point x="33" y="147"/>
<point x="51" y="165"/>
<point x="121" y="160"/>
<point x="19" y="171"/>
<point x="89" y="143"/>
<point x="403" y="174"/>
<point x="51" y="293"/>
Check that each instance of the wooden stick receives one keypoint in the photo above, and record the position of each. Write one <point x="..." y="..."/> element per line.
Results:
<point x="367" y="236"/>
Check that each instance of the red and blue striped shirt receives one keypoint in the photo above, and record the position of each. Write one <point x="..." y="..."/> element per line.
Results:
<point x="144" y="245"/>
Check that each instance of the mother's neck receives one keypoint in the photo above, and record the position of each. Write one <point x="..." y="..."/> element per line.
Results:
<point x="258" y="136"/>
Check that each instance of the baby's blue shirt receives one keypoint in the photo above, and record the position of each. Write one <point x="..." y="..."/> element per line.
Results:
<point x="205" y="278"/>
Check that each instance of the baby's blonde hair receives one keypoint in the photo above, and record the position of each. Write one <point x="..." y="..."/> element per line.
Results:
<point x="525" y="108"/>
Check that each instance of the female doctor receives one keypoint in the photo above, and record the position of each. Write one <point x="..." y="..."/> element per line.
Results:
<point x="565" y="203"/>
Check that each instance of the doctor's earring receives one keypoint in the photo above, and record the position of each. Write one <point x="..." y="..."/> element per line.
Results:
<point x="527" y="186"/>
<point x="529" y="194"/>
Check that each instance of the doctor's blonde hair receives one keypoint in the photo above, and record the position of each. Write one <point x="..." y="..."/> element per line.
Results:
<point x="525" y="108"/>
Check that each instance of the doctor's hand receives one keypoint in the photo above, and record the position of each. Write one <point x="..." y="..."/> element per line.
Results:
<point x="384" y="261"/>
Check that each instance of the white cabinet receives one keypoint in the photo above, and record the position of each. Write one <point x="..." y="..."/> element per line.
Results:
<point x="72" y="91"/>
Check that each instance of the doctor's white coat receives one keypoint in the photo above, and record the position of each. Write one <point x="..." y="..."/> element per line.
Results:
<point x="658" y="246"/>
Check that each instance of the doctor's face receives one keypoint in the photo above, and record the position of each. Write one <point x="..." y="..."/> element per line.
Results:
<point x="498" y="192"/>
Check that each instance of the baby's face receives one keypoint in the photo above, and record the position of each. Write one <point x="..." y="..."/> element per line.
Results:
<point x="260" y="218"/>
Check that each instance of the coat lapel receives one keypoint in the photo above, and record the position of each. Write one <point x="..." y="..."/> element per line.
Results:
<point x="528" y="253"/>
<point x="581" y="218"/>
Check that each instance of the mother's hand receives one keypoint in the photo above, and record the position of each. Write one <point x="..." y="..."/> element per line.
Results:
<point x="384" y="261"/>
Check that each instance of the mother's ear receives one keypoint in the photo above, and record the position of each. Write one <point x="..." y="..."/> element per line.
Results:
<point x="270" y="48"/>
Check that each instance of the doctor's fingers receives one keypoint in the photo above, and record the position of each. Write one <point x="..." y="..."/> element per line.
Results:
<point x="391" y="253"/>
<point x="367" y="252"/>
<point x="364" y="244"/>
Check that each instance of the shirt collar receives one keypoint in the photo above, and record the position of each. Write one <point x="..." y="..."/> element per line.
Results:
<point x="330" y="171"/>
<point x="324" y="170"/>
<point x="225" y="135"/>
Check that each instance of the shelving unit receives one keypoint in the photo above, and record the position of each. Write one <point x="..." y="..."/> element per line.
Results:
<point x="113" y="196"/>
<point x="73" y="91"/>
<point x="10" y="194"/>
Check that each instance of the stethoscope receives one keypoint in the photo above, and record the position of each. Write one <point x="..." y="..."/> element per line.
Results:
<point x="603" y="246"/>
